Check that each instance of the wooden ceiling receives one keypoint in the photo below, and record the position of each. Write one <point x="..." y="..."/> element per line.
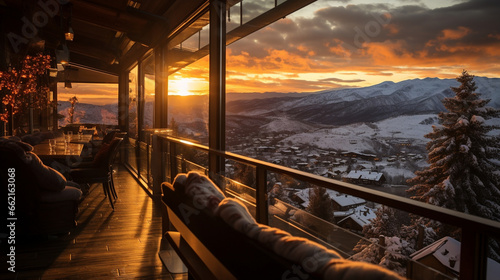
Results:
<point x="108" y="35"/>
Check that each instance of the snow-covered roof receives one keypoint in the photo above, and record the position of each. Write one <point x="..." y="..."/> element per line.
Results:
<point x="341" y="199"/>
<point x="361" y="215"/>
<point x="345" y="199"/>
<point x="446" y="248"/>
<point x="364" y="175"/>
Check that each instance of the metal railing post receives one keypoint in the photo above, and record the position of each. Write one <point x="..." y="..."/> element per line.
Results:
<point x="473" y="244"/>
<point x="173" y="161"/>
<point x="261" y="195"/>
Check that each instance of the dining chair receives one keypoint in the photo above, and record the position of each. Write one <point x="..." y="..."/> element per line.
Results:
<point x="100" y="170"/>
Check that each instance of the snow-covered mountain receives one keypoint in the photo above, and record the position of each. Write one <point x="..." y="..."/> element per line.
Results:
<point x="300" y="112"/>
<point x="368" y="104"/>
<point x="89" y="113"/>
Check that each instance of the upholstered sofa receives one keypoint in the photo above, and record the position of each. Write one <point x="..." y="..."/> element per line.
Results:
<point x="45" y="202"/>
<point x="230" y="244"/>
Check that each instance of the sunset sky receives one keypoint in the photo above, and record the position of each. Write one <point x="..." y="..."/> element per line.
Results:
<point x="344" y="43"/>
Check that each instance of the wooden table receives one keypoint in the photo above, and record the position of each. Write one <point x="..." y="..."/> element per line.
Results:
<point x="81" y="139"/>
<point x="60" y="152"/>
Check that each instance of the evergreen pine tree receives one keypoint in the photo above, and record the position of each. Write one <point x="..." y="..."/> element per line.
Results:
<point x="463" y="157"/>
<point x="385" y="244"/>
<point x="320" y="204"/>
<point x="463" y="172"/>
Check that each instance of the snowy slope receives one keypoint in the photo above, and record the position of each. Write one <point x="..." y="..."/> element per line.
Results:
<point x="89" y="113"/>
<point x="358" y="137"/>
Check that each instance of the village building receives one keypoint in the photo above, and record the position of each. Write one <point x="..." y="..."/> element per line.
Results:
<point x="356" y="219"/>
<point x="364" y="177"/>
<point x="444" y="257"/>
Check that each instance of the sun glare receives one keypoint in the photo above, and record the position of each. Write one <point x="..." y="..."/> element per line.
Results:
<point x="185" y="86"/>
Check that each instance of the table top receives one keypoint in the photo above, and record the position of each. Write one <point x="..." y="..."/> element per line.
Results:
<point x="81" y="139"/>
<point x="73" y="149"/>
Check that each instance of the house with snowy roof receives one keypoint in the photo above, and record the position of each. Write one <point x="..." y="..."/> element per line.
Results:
<point x="357" y="219"/>
<point x="444" y="257"/>
<point x="364" y="177"/>
<point x="359" y="155"/>
<point x="344" y="202"/>
<point x="340" y="202"/>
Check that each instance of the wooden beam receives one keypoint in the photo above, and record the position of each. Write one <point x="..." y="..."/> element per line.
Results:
<point x="117" y="20"/>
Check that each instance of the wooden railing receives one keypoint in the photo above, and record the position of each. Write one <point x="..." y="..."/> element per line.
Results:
<point x="475" y="230"/>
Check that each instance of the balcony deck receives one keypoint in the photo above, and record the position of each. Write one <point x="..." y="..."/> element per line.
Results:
<point x="120" y="244"/>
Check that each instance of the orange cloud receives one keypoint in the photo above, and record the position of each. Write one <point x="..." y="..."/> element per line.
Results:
<point x="454" y="34"/>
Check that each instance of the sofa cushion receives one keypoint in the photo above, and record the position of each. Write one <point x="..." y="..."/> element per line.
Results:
<point x="342" y="269"/>
<point x="15" y="145"/>
<point x="312" y="256"/>
<point x="203" y="192"/>
<point x="49" y="179"/>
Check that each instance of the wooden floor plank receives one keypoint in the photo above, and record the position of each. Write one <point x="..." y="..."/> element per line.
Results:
<point x="106" y="244"/>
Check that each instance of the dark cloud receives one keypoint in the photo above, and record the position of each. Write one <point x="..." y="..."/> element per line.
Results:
<point x="376" y="39"/>
<point x="415" y="26"/>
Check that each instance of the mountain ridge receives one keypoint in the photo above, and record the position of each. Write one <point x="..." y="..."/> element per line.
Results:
<point x="328" y="107"/>
<point x="367" y="104"/>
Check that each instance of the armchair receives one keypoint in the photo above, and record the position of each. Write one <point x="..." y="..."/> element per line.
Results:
<point x="100" y="170"/>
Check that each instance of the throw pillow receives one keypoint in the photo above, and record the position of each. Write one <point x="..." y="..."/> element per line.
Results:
<point x="48" y="178"/>
<point x="204" y="193"/>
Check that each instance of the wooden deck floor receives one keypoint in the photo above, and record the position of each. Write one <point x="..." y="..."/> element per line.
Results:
<point x="120" y="244"/>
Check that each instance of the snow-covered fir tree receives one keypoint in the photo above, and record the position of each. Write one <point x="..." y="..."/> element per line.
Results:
<point x="463" y="175"/>
<point x="463" y="157"/>
<point x="385" y="242"/>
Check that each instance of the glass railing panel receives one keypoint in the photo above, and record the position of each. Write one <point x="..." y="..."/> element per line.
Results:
<point x="364" y="231"/>
<point x="240" y="172"/>
<point x="194" y="156"/>
<point x="299" y="222"/>
<point x="360" y="230"/>
<point x="150" y="165"/>
<point x="165" y="160"/>
<point x="131" y="153"/>
<point x="493" y="260"/>
<point x="143" y="160"/>
<point x="188" y="166"/>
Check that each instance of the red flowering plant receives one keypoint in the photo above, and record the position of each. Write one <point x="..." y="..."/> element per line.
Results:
<point x="24" y="87"/>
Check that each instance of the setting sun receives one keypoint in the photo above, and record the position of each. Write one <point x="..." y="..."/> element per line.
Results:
<point x="187" y="86"/>
<point x="181" y="86"/>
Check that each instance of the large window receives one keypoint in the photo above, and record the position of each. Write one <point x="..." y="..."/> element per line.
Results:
<point x="87" y="103"/>
<point x="188" y="82"/>
<point x="132" y="102"/>
<point x="332" y="88"/>
<point x="349" y="91"/>
<point x="149" y="91"/>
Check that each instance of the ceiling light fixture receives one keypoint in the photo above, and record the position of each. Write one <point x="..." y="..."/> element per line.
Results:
<point x="62" y="54"/>
<point x="69" y="35"/>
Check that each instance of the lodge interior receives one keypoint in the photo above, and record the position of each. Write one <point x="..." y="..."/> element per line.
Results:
<point x="126" y="239"/>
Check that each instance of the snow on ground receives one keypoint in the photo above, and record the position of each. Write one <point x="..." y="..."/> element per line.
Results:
<point x="283" y="124"/>
<point x="394" y="171"/>
<point x="359" y="137"/>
